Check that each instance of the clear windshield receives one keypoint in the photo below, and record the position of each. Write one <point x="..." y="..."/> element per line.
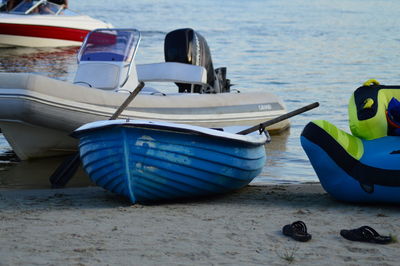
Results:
<point x="110" y="45"/>
<point x="41" y="7"/>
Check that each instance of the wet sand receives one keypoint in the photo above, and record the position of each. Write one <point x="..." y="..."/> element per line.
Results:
<point x="89" y="226"/>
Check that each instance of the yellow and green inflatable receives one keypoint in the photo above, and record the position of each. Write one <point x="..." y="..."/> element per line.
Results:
<point x="363" y="166"/>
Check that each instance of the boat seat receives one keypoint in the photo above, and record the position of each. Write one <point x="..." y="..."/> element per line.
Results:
<point x="172" y="72"/>
<point x="99" y="75"/>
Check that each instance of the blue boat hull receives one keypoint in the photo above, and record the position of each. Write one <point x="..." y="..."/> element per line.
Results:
<point x="150" y="164"/>
<point x="372" y="176"/>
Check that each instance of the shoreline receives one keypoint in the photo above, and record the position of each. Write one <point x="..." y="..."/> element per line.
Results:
<point x="88" y="225"/>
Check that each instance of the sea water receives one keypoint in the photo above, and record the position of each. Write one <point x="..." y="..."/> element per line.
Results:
<point x="303" y="51"/>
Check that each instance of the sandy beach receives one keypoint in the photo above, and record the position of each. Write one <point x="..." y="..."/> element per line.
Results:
<point x="89" y="226"/>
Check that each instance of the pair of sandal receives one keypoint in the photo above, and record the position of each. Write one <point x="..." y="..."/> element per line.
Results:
<point x="298" y="231"/>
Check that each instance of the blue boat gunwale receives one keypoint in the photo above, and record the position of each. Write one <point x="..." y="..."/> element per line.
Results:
<point x="250" y="139"/>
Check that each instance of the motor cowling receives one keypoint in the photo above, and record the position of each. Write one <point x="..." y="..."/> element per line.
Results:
<point x="189" y="47"/>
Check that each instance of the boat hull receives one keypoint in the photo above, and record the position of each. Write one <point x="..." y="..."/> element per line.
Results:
<point x="45" y="111"/>
<point x="353" y="169"/>
<point x="156" y="163"/>
<point x="45" y="30"/>
<point x="7" y="40"/>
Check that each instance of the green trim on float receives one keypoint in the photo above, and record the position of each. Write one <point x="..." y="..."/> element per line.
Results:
<point x="351" y="144"/>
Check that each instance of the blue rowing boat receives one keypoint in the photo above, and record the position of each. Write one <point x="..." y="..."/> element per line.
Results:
<point x="149" y="161"/>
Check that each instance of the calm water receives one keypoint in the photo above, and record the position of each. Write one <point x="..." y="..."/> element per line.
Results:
<point x="303" y="51"/>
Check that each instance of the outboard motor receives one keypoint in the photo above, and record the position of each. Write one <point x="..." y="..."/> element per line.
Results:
<point x="189" y="47"/>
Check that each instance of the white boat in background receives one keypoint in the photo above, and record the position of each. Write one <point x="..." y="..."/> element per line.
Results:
<point x="39" y="23"/>
<point x="38" y="113"/>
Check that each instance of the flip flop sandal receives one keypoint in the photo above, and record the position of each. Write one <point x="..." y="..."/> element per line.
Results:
<point x="365" y="234"/>
<point x="297" y="231"/>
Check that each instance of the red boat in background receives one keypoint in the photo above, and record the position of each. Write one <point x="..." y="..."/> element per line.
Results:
<point x="39" y="23"/>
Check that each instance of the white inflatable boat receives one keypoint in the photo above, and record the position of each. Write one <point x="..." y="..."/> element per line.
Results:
<point x="38" y="113"/>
